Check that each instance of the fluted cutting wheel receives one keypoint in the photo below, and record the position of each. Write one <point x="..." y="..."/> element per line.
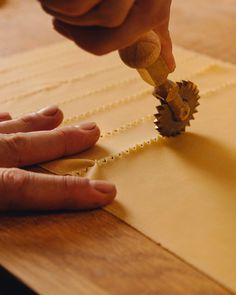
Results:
<point x="165" y="121"/>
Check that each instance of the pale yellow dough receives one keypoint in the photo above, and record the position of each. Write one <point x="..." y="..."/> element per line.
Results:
<point x="180" y="192"/>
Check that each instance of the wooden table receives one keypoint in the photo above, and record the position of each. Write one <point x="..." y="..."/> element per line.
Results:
<point x="94" y="252"/>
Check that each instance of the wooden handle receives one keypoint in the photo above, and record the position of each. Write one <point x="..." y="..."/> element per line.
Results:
<point x="143" y="53"/>
<point x="145" y="56"/>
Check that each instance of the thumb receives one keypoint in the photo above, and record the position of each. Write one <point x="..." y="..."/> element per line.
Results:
<point x="166" y="45"/>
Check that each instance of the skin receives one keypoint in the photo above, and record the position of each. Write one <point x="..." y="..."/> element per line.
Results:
<point x="98" y="26"/>
<point x="32" y="139"/>
<point x="101" y="26"/>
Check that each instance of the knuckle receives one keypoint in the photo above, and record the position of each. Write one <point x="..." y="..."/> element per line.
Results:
<point x="70" y="8"/>
<point x="12" y="182"/>
<point x="74" y="140"/>
<point x="74" y="188"/>
<point x="97" y="43"/>
<point x="14" y="177"/>
<point x="63" y="138"/>
<point x="29" y="120"/>
<point x="100" y="49"/>
<point x="16" y="146"/>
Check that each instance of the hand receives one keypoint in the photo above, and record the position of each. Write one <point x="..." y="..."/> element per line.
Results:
<point x="22" y="143"/>
<point x="101" y="26"/>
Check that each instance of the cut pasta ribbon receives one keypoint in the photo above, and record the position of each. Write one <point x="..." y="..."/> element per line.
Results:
<point x="68" y="166"/>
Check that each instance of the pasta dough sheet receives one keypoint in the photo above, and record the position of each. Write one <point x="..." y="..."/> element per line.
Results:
<point x="180" y="192"/>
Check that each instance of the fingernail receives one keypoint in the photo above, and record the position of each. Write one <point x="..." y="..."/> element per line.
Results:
<point x="88" y="126"/>
<point x="103" y="186"/>
<point x="49" y="111"/>
<point x="4" y="115"/>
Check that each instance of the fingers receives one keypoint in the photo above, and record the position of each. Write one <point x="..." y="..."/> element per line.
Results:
<point x="166" y="45"/>
<point x="166" y="50"/>
<point x="69" y="8"/>
<point x="21" y="149"/>
<point x="22" y="190"/>
<point x="5" y="117"/>
<point x="109" y="13"/>
<point x="144" y="16"/>
<point x="45" y="119"/>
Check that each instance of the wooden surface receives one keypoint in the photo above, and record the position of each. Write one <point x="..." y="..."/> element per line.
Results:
<point x="94" y="252"/>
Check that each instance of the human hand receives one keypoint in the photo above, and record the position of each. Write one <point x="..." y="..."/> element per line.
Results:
<point x="31" y="140"/>
<point x="101" y="26"/>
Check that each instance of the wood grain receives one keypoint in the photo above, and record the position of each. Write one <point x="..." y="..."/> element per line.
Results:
<point x="94" y="252"/>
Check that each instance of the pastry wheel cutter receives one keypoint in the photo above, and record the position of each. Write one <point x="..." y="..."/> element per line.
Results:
<point x="178" y="101"/>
